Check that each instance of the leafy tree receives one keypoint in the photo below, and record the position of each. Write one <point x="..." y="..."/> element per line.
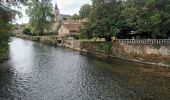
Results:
<point x="75" y="17"/>
<point x="106" y="18"/>
<point x="147" y="16"/>
<point x="87" y="30"/>
<point x="27" y="31"/>
<point x="85" y="11"/>
<point x="40" y="13"/>
<point x="7" y="14"/>
<point x="163" y="8"/>
<point x="139" y="15"/>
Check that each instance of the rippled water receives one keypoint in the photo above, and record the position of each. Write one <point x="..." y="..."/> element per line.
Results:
<point x="40" y="72"/>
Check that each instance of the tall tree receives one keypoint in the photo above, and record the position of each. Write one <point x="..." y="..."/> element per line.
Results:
<point x="106" y="17"/>
<point x="85" y="11"/>
<point x="75" y="17"/>
<point x="163" y="8"/>
<point x="40" y="13"/>
<point x="148" y="16"/>
<point x="7" y="14"/>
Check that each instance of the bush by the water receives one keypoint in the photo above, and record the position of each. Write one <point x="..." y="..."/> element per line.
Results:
<point x="27" y="31"/>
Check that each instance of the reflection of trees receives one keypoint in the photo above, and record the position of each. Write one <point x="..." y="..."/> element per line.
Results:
<point x="146" y="81"/>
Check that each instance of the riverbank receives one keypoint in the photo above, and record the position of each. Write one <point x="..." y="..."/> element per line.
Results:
<point x="141" y="53"/>
<point x="3" y="54"/>
<point x="79" y="77"/>
<point x="146" y="54"/>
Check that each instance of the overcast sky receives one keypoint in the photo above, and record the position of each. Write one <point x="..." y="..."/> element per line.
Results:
<point x="66" y="7"/>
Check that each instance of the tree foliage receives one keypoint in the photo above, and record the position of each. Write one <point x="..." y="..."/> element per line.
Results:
<point x="40" y="13"/>
<point x="110" y="17"/>
<point x="7" y="14"/>
<point x="27" y="31"/>
<point x="75" y="17"/>
<point x="148" y="16"/>
<point x="85" y="11"/>
<point x="87" y="30"/>
<point x="105" y="18"/>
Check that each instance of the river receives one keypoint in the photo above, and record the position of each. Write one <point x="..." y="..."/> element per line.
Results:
<point x="35" y="71"/>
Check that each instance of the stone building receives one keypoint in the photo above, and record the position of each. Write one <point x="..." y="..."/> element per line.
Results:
<point x="69" y="28"/>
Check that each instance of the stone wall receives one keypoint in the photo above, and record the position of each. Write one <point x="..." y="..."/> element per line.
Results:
<point x="158" y="54"/>
<point x="151" y="53"/>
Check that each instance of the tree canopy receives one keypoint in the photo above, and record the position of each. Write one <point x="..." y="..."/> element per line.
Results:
<point x="40" y="13"/>
<point x="7" y="14"/>
<point x="111" y="17"/>
<point x="75" y="17"/>
<point x="85" y="11"/>
<point x="105" y="18"/>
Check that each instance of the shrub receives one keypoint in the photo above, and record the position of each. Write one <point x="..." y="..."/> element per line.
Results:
<point x="27" y="31"/>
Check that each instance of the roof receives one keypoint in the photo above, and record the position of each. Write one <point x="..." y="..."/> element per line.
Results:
<point x="72" y="27"/>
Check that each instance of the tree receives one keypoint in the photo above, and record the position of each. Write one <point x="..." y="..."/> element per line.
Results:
<point x="85" y="11"/>
<point x="163" y="8"/>
<point x="106" y="18"/>
<point x="148" y="16"/>
<point x="7" y="14"/>
<point x="145" y="18"/>
<point x="75" y="17"/>
<point x="87" y="30"/>
<point x="27" y="31"/>
<point x="40" y="13"/>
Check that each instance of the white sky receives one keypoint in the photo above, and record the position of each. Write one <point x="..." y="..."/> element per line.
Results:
<point x="66" y="7"/>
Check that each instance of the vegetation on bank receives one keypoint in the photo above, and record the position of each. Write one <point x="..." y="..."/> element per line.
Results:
<point x="7" y="14"/>
<point x="124" y="19"/>
<point x="40" y="13"/>
<point x="128" y="18"/>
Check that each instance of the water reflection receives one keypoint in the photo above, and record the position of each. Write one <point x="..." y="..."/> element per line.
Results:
<point x="40" y="72"/>
<point x="21" y="60"/>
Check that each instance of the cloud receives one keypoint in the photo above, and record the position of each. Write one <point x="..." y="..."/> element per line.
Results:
<point x="66" y="7"/>
<point x="24" y="18"/>
<point x="70" y="6"/>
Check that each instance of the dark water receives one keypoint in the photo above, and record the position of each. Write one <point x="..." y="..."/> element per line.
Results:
<point x="40" y="72"/>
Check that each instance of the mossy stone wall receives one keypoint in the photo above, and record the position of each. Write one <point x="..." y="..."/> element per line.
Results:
<point x="144" y="52"/>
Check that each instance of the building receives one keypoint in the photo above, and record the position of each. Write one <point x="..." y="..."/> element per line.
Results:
<point x="69" y="28"/>
<point x="63" y="25"/>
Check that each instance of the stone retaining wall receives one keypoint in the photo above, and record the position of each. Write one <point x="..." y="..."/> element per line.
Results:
<point x="158" y="54"/>
<point x="153" y="53"/>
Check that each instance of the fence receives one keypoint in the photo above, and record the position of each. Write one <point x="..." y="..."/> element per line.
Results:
<point x="144" y="41"/>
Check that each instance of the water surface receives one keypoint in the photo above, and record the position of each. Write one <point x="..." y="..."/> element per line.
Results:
<point x="39" y="72"/>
